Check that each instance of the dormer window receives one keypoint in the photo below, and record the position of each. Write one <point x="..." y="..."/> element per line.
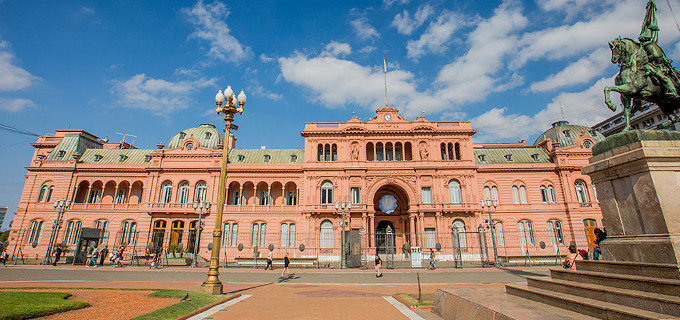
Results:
<point x="182" y="135"/>
<point x="267" y="158"/>
<point x="534" y="156"/>
<point x="190" y="146"/>
<point x="567" y="133"/>
<point x="482" y="157"/>
<point x="240" y="158"/>
<point x="97" y="157"/>
<point x="208" y="135"/>
<point x="293" y="158"/>
<point x="508" y="157"/>
<point x="147" y="158"/>
<point x="61" y="154"/>
<point x="123" y="158"/>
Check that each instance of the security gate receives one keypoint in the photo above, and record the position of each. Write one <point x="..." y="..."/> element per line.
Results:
<point x="353" y="248"/>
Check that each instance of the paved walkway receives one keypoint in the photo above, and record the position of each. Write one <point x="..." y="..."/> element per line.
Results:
<point x="307" y="294"/>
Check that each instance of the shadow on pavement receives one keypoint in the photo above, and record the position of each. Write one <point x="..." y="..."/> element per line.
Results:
<point x="253" y="287"/>
<point x="290" y="277"/>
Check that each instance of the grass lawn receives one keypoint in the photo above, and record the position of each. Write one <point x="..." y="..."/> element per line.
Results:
<point x="197" y="300"/>
<point x="412" y="299"/>
<point x="25" y="305"/>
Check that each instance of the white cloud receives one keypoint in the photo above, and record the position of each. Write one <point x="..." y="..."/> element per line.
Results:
<point x="336" y="49"/>
<point x="266" y="58"/>
<point x="363" y="29"/>
<point x="260" y="91"/>
<point x="406" y="24"/>
<point x="12" y="77"/>
<point x="389" y="3"/>
<point x="157" y="95"/>
<point x="584" y="108"/>
<point x="438" y="33"/>
<point x="86" y="10"/>
<point x="15" y="105"/>
<point x="582" y="71"/>
<point x="473" y="76"/>
<point x="208" y="21"/>
<point x="367" y="49"/>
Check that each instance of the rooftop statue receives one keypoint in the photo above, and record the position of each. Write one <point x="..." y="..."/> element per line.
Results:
<point x="645" y="72"/>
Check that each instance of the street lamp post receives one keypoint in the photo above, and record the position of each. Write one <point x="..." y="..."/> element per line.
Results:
<point x="489" y="207"/>
<point x="233" y="105"/>
<point x="340" y="209"/>
<point x="60" y="206"/>
<point x="198" y="208"/>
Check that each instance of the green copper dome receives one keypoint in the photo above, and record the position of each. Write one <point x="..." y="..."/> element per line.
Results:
<point x="566" y="133"/>
<point x="206" y="134"/>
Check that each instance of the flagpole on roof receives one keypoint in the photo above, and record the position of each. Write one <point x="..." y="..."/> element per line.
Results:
<point x="385" y="72"/>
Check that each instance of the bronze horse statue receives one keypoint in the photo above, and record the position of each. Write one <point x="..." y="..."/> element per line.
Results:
<point x="645" y="74"/>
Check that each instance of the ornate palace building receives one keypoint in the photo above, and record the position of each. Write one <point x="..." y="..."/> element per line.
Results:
<point x="406" y="183"/>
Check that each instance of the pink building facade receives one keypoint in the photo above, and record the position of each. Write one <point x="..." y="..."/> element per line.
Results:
<point x="405" y="184"/>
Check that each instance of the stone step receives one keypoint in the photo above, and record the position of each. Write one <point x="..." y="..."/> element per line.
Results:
<point x="669" y="287"/>
<point x="590" y="307"/>
<point x="655" y="270"/>
<point x="655" y="302"/>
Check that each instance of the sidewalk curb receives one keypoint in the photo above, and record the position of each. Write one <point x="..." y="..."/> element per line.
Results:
<point x="404" y="302"/>
<point x="187" y="316"/>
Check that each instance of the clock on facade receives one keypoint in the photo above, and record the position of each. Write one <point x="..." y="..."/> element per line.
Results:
<point x="388" y="117"/>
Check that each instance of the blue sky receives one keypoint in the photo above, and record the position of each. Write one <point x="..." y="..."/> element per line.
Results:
<point x="152" y="69"/>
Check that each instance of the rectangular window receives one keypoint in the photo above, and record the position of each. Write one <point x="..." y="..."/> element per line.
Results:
<point x="225" y="234"/>
<point x="500" y="237"/>
<point x="430" y="238"/>
<point x="256" y="232"/>
<point x="284" y="235"/>
<point x="234" y="235"/>
<point x="120" y="196"/>
<point x="264" y="198"/>
<point x="234" y="197"/>
<point x="291" y="235"/>
<point x="427" y="194"/>
<point x="36" y="231"/>
<point x="544" y="194"/>
<point x="515" y="195"/>
<point x="291" y="198"/>
<point x="355" y="195"/>
<point x="95" y="194"/>
<point x="263" y="234"/>
<point x="558" y="232"/>
<point x="522" y="194"/>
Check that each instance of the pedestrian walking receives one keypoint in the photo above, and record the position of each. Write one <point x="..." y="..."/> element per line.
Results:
<point x="599" y="237"/>
<point x="102" y="255"/>
<point x="286" y="263"/>
<point x="270" y="258"/>
<point x="3" y="257"/>
<point x="378" y="264"/>
<point x="433" y="265"/>
<point x="58" y="255"/>
<point x="119" y="258"/>
<point x="95" y="256"/>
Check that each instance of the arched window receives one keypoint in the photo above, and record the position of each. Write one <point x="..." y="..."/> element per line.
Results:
<point x="408" y="156"/>
<point x="398" y="156"/>
<point x="487" y="193"/>
<point x="515" y="195"/>
<point x="379" y="151"/>
<point x="129" y="233"/>
<point x="456" y="149"/>
<point x="450" y="150"/>
<point x="555" y="232"/>
<point x="95" y="193"/>
<point x="158" y="233"/>
<point x="176" y="232"/>
<point x="183" y="193"/>
<point x="334" y="153"/>
<point x="166" y="192"/>
<point x="522" y="194"/>
<point x="545" y="197"/>
<point x="327" y="192"/>
<point x="319" y="153"/>
<point x="41" y="194"/>
<point x="526" y="234"/>
<point x="288" y="235"/>
<point x="48" y="197"/>
<point x="454" y="191"/>
<point x="389" y="155"/>
<point x="259" y="233"/>
<point x="327" y="152"/>
<point x="72" y="233"/>
<point x="548" y="194"/>
<point x="326" y="235"/>
<point x="104" y="226"/>
<point x="442" y="148"/>
<point x="201" y="191"/>
<point x="494" y="194"/>
<point x="553" y="194"/>
<point x="36" y="231"/>
<point x="500" y="237"/>
<point x="581" y="193"/>
<point x="369" y="151"/>
<point x="459" y="226"/>
<point x="121" y="196"/>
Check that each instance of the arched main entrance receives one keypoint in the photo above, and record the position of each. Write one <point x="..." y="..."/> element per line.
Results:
<point x="390" y="204"/>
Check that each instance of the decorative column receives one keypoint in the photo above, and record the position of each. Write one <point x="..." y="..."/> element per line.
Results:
<point x="240" y="195"/>
<point x="371" y="226"/>
<point x="412" y="230"/>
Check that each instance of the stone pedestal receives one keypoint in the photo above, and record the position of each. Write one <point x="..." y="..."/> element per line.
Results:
<point x="637" y="178"/>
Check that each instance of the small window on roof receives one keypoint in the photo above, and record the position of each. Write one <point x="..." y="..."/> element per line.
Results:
<point x="123" y="158"/>
<point x="182" y="135"/>
<point x="508" y="157"/>
<point x="593" y="133"/>
<point x="97" y="157"/>
<point x="567" y="133"/>
<point x="293" y="158"/>
<point x="482" y="157"/>
<point x="534" y="156"/>
<point x="240" y="158"/>
<point x="208" y="135"/>
<point x="61" y="154"/>
<point x="147" y="158"/>
<point x="267" y="158"/>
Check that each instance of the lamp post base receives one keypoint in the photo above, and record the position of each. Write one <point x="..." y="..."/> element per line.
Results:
<point x="212" y="288"/>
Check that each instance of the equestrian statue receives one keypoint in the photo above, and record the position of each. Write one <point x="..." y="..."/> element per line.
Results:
<point x="645" y="73"/>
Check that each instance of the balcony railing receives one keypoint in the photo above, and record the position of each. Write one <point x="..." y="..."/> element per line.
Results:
<point x="104" y="206"/>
